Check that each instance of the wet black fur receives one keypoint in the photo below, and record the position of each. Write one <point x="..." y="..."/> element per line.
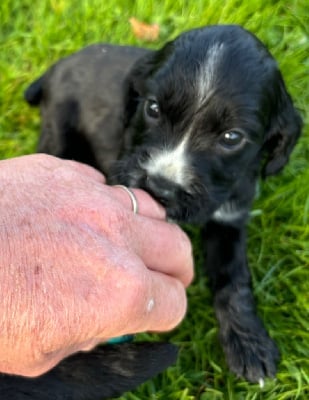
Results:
<point x="93" y="110"/>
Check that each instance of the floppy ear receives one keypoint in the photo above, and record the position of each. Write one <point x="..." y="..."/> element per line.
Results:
<point x="285" y="129"/>
<point x="134" y="84"/>
<point x="143" y="68"/>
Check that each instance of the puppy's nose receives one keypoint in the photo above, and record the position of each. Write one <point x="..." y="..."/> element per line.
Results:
<point x="160" y="188"/>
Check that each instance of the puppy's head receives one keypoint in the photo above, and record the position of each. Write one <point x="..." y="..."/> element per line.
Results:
<point x="210" y="111"/>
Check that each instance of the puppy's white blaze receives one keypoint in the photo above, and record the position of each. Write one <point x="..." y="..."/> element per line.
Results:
<point x="228" y="213"/>
<point x="207" y="75"/>
<point x="172" y="164"/>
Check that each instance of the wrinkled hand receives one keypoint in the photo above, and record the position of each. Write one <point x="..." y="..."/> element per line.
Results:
<point x="77" y="266"/>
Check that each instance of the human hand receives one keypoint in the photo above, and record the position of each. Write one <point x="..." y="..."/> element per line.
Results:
<point x="77" y="266"/>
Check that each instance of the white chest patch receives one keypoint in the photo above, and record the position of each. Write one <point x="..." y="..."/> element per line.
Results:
<point x="172" y="164"/>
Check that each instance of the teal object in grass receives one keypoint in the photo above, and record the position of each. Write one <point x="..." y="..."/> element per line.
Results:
<point x="121" y="339"/>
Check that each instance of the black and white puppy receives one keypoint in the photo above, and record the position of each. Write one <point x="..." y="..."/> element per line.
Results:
<point x="196" y="124"/>
<point x="213" y="114"/>
<point x="82" y="105"/>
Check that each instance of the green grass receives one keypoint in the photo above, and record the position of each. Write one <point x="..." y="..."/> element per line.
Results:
<point x="35" y="33"/>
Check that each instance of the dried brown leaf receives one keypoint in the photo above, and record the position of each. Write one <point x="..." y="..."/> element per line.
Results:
<point x="144" y="31"/>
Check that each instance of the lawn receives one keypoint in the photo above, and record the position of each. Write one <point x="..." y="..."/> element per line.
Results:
<point x="35" y="33"/>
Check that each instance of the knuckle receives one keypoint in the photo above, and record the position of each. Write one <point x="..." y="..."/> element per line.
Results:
<point x="117" y="224"/>
<point x="179" y="302"/>
<point x="138" y="297"/>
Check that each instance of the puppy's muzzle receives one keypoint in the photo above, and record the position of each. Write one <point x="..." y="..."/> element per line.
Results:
<point x="161" y="189"/>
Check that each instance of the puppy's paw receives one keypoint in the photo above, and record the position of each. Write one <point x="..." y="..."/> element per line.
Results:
<point x="251" y="355"/>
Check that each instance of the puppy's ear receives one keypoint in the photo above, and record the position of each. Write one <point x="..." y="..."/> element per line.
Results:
<point x="285" y="129"/>
<point x="134" y="84"/>
<point x="136" y="81"/>
<point x="146" y="66"/>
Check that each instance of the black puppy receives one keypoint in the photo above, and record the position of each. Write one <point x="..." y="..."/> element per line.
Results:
<point x="196" y="124"/>
<point x="108" y="371"/>
<point x="213" y="113"/>
<point x="82" y="104"/>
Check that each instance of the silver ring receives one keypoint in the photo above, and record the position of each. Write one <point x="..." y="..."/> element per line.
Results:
<point x="132" y="197"/>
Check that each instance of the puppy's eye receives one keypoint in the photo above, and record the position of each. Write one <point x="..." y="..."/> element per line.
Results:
<point x="232" y="139"/>
<point x="152" y="109"/>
